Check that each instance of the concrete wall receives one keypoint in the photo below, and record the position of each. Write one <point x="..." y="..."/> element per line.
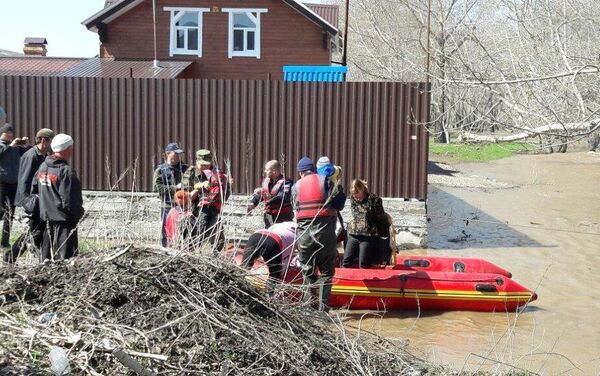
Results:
<point x="136" y="217"/>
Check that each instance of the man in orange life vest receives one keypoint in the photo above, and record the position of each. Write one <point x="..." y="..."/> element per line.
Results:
<point x="276" y="194"/>
<point x="317" y="202"/>
<point x="208" y="188"/>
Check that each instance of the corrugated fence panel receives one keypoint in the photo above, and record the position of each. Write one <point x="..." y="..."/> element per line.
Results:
<point x="374" y="130"/>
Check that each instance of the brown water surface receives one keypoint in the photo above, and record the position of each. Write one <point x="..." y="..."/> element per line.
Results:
<point x="547" y="233"/>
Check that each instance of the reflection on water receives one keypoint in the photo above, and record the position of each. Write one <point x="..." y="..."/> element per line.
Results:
<point x="547" y="233"/>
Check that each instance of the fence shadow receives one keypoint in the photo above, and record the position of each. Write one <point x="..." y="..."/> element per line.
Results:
<point x="456" y="224"/>
<point x="434" y="168"/>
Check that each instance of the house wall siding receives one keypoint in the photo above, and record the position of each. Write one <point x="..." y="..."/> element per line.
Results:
<point x="287" y="38"/>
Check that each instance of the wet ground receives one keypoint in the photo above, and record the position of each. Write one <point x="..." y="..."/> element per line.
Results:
<point x="543" y="226"/>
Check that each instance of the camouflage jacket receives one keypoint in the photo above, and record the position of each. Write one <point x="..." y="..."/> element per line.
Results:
<point x="368" y="217"/>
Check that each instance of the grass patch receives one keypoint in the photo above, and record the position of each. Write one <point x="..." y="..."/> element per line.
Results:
<point x="85" y="244"/>
<point x="477" y="152"/>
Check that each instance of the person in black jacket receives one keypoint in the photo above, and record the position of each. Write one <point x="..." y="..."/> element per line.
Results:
<point x="28" y="167"/>
<point x="167" y="180"/>
<point x="61" y="202"/>
<point x="11" y="149"/>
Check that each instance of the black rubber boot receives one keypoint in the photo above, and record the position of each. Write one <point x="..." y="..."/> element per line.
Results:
<point x="324" y="292"/>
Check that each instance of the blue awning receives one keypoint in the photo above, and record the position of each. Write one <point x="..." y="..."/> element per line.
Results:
<point x="314" y="73"/>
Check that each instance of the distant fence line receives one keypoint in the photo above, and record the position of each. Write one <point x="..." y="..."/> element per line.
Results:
<point x="374" y="130"/>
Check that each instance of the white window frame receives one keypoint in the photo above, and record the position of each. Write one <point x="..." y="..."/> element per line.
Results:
<point x="254" y="15"/>
<point x="173" y="50"/>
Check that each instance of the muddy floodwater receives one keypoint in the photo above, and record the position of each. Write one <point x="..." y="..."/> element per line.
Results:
<point x="546" y="231"/>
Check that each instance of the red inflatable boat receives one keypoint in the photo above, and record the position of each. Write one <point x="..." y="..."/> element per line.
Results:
<point x="419" y="282"/>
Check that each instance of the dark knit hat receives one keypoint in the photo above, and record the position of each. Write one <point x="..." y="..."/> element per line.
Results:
<point x="45" y="133"/>
<point x="306" y="164"/>
<point x="6" y="128"/>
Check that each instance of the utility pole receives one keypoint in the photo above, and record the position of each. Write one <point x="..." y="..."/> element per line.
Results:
<point x="155" y="63"/>
<point x="345" y="57"/>
<point x="428" y="62"/>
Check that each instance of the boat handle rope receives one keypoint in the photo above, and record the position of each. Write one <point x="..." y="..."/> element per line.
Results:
<point x="405" y="277"/>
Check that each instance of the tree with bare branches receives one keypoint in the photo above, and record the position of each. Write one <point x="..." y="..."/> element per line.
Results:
<point x="501" y="70"/>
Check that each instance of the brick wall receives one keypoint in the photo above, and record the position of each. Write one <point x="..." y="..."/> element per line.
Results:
<point x="287" y="38"/>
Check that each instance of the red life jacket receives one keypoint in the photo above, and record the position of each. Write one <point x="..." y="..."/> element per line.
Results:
<point x="284" y="207"/>
<point x="218" y="189"/>
<point x="175" y="217"/>
<point x="311" y="198"/>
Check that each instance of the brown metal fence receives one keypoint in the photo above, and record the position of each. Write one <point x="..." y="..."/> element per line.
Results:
<point x="374" y="130"/>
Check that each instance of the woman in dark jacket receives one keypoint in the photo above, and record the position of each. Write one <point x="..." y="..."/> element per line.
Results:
<point x="369" y="222"/>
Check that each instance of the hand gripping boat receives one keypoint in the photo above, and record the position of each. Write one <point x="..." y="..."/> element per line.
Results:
<point x="419" y="282"/>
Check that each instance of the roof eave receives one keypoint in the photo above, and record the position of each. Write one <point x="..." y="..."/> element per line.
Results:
<point x="108" y="14"/>
<point x="314" y="17"/>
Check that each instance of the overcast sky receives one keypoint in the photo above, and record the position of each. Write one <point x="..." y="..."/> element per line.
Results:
<point x="57" y="20"/>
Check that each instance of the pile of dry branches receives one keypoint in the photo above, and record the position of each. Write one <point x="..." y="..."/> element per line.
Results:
<point x="149" y="311"/>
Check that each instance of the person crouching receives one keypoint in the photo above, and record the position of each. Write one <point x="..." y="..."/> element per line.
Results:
<point x="276" y="246"/>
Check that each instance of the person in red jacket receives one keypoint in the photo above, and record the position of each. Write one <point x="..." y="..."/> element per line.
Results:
<point x="275" y="192"/>
<point x="317" y="201"/>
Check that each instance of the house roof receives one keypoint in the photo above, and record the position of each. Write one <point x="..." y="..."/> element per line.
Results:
<point x="108" y="67"/>
<point x="329" y="12"/>
<point x="7" y="53"/>
<point x="115" y="8"/>
<point x="35" y="40"/>
<point x="36" y="65"/>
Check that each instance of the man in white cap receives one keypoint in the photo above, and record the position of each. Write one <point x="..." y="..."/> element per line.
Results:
<point x="28" y="167"/>
<point x="60" y="200"/>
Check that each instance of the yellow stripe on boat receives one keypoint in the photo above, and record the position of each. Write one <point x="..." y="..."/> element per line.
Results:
<point x="386" y="292"/>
